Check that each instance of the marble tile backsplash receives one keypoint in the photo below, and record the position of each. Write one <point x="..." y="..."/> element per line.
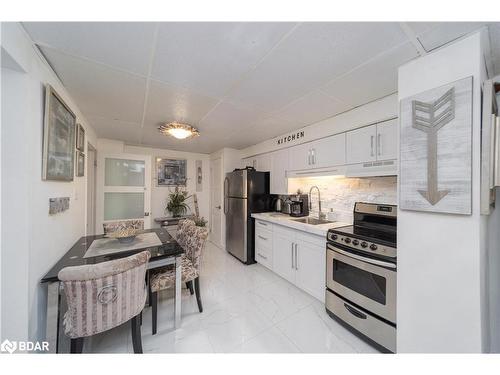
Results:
<point x="338" y="194"/>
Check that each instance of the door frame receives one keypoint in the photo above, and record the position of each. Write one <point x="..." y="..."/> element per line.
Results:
<point x="101" y="189"/>
<point x="91" y="191"/>
<point x="212" y="182"/>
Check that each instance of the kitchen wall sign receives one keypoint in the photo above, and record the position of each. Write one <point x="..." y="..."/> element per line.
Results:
<point x="199" y="176"/>
<point x="290" y="138"/>
<point x="436" y="150"/>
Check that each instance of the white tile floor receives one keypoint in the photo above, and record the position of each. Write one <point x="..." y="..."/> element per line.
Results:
<point x="246" y="309"/>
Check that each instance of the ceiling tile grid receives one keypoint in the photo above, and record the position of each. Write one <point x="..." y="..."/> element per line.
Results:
<point x="239" y="83"/>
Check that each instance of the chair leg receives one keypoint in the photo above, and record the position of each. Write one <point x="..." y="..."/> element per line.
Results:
<point x="189" y="285"/>
<point x="150" y="293"/>
<point x="197" y="290"/>
<point x="154" y="310"/>
<point x="140" y="318"/>
<point x="76" y="345"/>
<point x="136" y="334"/>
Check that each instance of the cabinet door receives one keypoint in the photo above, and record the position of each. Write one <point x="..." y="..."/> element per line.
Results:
<point x="279" y="166"/>
<point x="310" y="273"/>
<point x="263" y="163"/>
<point x="328" y="152"/>
<point x="300" y="157"/>
<point x="361" y="145"/>
<point x="387" y="140"/>
<point x="283" y="252"/>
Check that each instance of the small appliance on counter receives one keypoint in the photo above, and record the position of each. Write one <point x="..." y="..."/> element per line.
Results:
<point x="299" y="205"/>
<point x="361" y="274"/>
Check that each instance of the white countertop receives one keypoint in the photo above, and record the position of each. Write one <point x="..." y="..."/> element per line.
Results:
<point x="288" y="221"/>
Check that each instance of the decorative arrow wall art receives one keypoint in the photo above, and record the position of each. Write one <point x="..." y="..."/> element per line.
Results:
<point x="436" y="150"/>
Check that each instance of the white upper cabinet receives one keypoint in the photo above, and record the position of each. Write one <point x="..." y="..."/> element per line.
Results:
<point x="279" y="166"/>
<point x="248" y="162"/>
<point x="300" y="157"/>
<point x="361" y="145"/>
<point x="328" y="152"/>
<point x="263" y="163"/>
<point x="387" y="140"/>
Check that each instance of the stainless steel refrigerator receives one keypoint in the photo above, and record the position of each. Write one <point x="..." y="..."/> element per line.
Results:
<point x="246" y="191"/>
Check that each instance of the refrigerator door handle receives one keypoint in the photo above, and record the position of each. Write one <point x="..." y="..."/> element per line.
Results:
<point x="226" y="189"/>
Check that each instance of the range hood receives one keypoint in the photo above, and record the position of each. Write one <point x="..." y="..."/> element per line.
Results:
<point x="373" y="169"/>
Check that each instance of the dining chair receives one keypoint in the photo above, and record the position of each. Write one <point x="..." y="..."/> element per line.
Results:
<point x="122" y="225"/>
<point x="192" y="238"/>
<point x="103" y="296"/>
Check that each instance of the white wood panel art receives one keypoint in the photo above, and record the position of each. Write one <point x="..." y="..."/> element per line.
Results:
<point x="436" y="150"/>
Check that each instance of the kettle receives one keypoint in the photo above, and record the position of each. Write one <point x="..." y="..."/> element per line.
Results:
<point x="278" y="204"/>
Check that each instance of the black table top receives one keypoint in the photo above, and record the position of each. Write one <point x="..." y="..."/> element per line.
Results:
<point x="74" y="257"/>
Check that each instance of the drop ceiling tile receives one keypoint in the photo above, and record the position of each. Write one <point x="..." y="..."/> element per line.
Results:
<point x="440" y="33"/>
<point x="211" y="56"/>
<point x="312" y="54"/>
<point x="312" y="108"/>
<point x="98" y="90"/>
<point x="120" y="130"/>
<point x="126" y="45"/>
<point x="167" y="103"/>
<point x="229" y="118"/>
<point x="373" y="80"/>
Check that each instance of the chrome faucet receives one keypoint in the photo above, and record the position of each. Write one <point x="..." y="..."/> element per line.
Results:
<point x="321" y="215"/>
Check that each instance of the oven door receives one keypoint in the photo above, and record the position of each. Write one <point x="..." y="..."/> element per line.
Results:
<point x="369" y="283"/>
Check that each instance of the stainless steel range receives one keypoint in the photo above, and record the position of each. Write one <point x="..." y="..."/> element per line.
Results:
<point x="361" y="274"/>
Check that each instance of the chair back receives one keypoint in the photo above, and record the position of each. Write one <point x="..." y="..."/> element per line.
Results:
<point x="182" y="227"/>
<point x="122" y="225"/>
<point x="196" y="238"/>
<point x="104" y="295"/>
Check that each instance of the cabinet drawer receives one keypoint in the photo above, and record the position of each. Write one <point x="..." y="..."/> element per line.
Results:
<point x="263" y="238"/>
<point x="263" y="225"/>
<point x="264" y="256"/>
<point x="285" y="231"/>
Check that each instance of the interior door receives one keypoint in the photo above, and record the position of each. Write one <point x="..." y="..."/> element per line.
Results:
<point x="311" y="265"/>
<point x="125" y="186"/>
<point x="361" y="145"/>
<point x="283" y="256"/>
<point x="387" y="140"/>
<point x="216" y="202"/>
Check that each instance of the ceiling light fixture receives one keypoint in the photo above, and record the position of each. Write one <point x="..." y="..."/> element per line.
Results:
<point x="178" y="130"/>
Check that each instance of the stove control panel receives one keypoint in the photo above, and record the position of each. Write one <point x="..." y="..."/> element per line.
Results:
<point x="365" y="246"/>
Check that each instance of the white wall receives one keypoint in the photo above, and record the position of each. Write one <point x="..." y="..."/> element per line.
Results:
<point x="379" y="110"/>
<point x="440" y="306"/>
<point x="32" y="241"/>
<point x="159" y="194"/>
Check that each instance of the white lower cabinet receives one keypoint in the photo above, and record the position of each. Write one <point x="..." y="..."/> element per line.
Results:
<point x="297" y="256"/>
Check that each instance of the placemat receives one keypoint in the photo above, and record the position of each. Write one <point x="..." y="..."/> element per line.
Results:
<point x="106" y="246"/>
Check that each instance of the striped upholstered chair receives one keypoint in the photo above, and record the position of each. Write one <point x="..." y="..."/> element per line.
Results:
<point x="192" y="238"/>
<point x="103" y="296"/>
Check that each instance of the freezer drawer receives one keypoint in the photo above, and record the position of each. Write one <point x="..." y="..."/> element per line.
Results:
<point x="236" y="228"/>
<point x="377" y="330"/>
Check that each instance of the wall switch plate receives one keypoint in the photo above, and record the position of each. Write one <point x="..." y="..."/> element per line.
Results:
<point x="57" y="205"/>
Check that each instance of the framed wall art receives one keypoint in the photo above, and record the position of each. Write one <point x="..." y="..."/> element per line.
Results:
<point x="436" y="150"/>
<point x="171" y="172"/>
<point x="58" y="138"/>
<point x="80" y="164"/>
<point x="199" y="176"/>
<point x="80" y="137"/>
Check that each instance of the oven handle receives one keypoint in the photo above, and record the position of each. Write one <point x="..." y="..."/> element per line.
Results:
<point x="363" y="259"/>
<point x="354" y="312"/>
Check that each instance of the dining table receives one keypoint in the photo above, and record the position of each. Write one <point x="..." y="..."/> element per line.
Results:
<point x="167" y="252"/>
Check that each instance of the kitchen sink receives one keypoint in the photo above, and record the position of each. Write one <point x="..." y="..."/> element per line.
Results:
<point x="312" y="221"/>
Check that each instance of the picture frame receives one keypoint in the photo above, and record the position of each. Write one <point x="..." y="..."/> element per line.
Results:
<point x="58" y="138"/>
<point x="80" y="138"/>
<point x="171" y="172"/>
<point x="80" y="164"/>
<point x="436" y="149"/>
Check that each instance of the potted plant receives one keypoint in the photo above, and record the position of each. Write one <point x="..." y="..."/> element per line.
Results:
<point x="177" y="202"/>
